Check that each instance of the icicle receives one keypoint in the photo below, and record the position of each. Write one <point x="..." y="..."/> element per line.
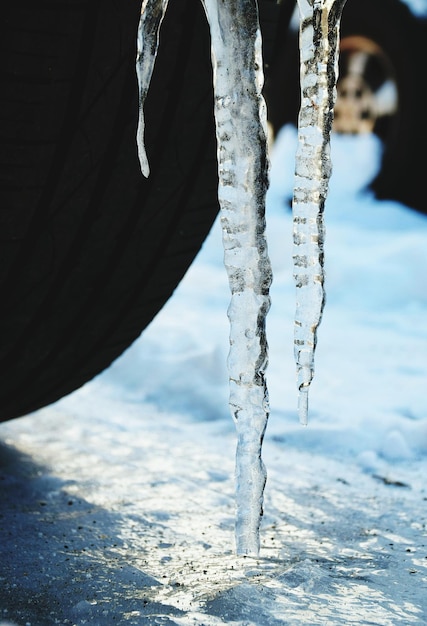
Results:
<point x="242" y="164"/>
<point x="319" y="36"/>
<point x="152" y="14"/>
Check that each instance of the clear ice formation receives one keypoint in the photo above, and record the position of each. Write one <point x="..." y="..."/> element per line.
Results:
<point x="152" y="14"/>
<point x="241" y="129"/>
<point x="319" y="37"/>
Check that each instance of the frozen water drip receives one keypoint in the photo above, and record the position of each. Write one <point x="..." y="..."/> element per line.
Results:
<point x="319" y="37"/>
<point x="152" y="14"/>
<point x="241" y="129"/>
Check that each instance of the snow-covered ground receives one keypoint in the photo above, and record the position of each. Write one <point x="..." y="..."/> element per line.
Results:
<point x="117" y="502"/>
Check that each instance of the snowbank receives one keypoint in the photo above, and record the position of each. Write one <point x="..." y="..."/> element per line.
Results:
<point x="118" y="501"/>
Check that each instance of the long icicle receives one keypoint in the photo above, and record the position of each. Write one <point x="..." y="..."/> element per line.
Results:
<point x="152" y="14"/>
<point x="319" y="37"/>
<point x="242" y="165"/>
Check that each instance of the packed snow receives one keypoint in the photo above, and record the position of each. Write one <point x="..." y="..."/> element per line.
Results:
<point x="118" y="501"/>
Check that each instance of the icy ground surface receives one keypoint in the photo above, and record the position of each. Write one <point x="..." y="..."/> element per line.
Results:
<point x="117" y="503"/>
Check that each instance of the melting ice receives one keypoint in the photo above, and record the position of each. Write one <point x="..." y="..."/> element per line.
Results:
<point x="241" y="128"/>
<point x="319" y="36"/>
<point x="241" y="124"/>
<point x="152" y="14"/>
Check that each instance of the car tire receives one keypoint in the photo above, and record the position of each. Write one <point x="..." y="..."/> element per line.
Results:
<point x="90" y="250"/>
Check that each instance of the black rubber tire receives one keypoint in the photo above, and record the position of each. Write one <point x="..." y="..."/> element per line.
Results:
<point x="90" y="250"/>
<point x="401" y="35"/>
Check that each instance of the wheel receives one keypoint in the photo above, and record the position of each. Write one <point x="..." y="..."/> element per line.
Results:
<point x="380" y="89"/>
<point x="367" y="92"/>
<point x="90" y="250"/>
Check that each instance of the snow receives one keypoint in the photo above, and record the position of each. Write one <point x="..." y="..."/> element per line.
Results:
<point x="118" y="501"/>
<point x="418" y="7"/>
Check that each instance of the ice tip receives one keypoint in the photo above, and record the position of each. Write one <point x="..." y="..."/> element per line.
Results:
<point x="143" y="161"/>
<point x="303" y="405"/>
<point x="247" y="543"/>
<point x="142" y="152"/>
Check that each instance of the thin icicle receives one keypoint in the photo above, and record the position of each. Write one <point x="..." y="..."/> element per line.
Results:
<point x="152" y="14"/>
<point x="319" y="37"/>
<point x="241" y="129"/>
